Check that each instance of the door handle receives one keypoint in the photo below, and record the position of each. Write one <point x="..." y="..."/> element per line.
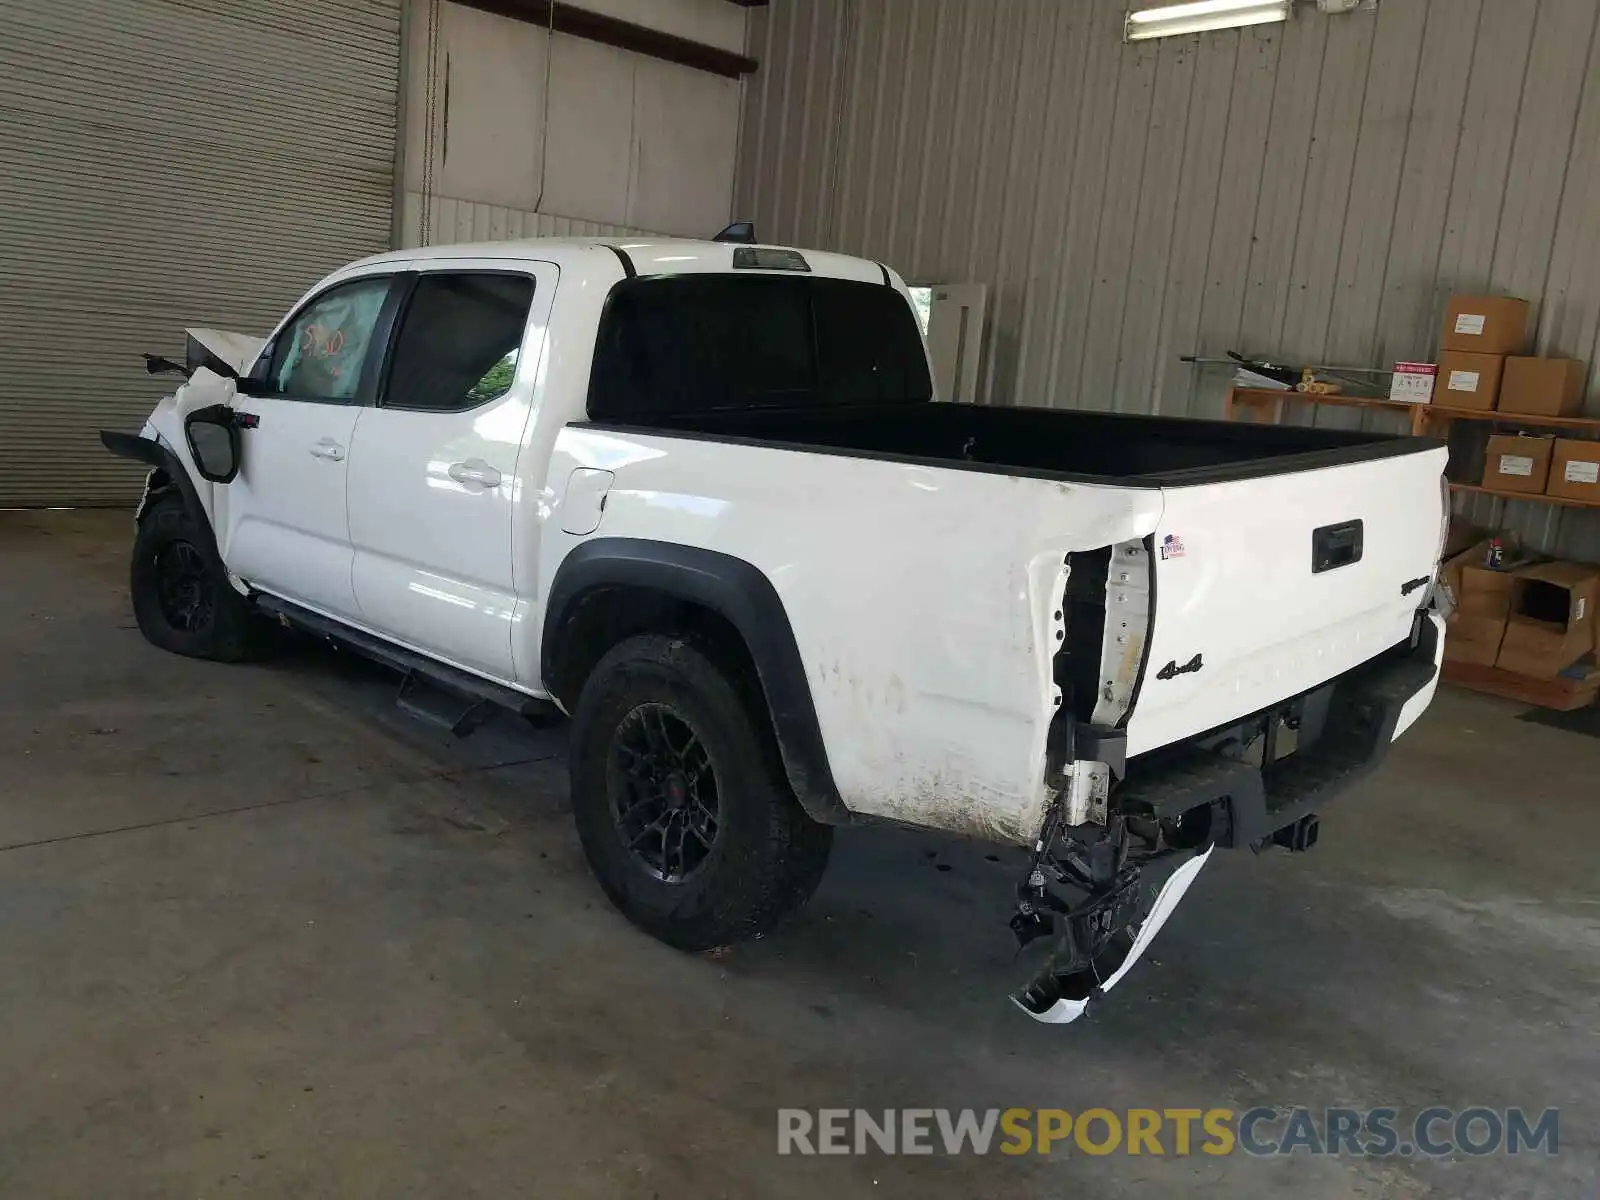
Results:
<point x="1335" y="546"/>
<point x="474" y="470"/>
<point x="329" y="449"/>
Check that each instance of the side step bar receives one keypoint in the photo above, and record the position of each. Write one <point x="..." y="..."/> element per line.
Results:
<point x="426" y="701"/>
<point x="432" y="691"/>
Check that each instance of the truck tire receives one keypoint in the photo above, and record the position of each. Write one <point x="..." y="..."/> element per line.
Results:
<point x="681" y="801"/>
<point x="182" y="601"/>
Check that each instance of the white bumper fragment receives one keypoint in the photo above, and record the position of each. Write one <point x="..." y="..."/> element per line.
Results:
<point x="1064" y="1011"/>
<point x="1418" y="704"/>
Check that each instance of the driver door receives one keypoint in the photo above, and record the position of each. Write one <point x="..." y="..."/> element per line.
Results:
<point x="287" y="528"/>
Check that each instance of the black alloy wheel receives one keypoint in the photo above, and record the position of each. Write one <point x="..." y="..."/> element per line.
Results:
<point x="662" y="787"/>
<point x="183" y="587"/>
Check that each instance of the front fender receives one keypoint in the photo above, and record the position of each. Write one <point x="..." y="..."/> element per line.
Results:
<point x="168" y="471"/>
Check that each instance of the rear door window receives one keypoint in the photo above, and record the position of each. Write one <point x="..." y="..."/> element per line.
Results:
<point x="696" y="343"/>
<point x="459" y="339"/>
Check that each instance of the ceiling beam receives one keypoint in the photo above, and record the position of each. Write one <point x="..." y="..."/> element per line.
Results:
<point x="624" y="35"/>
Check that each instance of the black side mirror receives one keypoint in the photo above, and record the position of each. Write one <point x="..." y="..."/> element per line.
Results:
<point x="156" y="365"/>
<point x="213" y="435"/>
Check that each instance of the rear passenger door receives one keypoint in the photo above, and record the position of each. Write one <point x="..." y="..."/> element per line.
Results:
<point x="433" y="471"/>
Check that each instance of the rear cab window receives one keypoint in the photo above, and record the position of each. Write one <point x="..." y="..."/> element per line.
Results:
<point x="701" y="343"/>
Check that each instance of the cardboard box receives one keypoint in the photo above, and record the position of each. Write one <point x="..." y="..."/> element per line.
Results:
<point x="1551" y="623"/>
<point x="1456" y="561"/>
<point x="1483" y="602"/>
<point x="1472" y="553"/>
<point x="1518" y="463"/>
<point x="1575" y="470"/>
<point x="1485" y="593"/>
<point x="1468" y="380"/>
<point x="1485" y="324"/>
<point x="1474" y="639"/>
<point x="1543" y="387"/>
<point x="1412" y="382"/>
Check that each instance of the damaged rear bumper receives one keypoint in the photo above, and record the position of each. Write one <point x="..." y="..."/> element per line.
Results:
<point x="1228" y="788"/>
<point x="1345" y="729"/>
<point x="1069" y="997"/>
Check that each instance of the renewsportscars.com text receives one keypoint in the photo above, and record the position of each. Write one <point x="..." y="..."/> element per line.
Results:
<point x="1263" y="1131"/>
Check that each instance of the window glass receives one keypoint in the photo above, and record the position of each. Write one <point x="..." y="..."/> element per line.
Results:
<point x="869" y="349"/>
<point x="697" y="342"/>
<point x="458" y="341"/>
<point x="922" y="301"/>
<point x="320" y="355"/>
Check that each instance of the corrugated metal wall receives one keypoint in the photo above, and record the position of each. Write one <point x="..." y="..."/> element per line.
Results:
<point x="1311" y="190"/>
<point x="543" y="133"/>
<point x="449" y="220"/>
<point x="167" y="163"/>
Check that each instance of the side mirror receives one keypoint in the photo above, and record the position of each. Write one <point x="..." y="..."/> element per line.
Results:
<point x="213" y="435"/>
<point x="156" y="365"/>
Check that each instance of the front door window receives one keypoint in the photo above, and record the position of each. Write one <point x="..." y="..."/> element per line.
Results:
<point x="321" y="353"/>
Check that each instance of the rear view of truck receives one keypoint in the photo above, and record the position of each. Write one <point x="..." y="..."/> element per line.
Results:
<point x="1223" y="679"/>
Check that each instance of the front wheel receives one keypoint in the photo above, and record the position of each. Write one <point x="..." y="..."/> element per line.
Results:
<point x="681" y="803"/>
<point x="182" y="600"/>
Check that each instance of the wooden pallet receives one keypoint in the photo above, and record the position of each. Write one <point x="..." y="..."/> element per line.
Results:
<point x="1563" y="695"/>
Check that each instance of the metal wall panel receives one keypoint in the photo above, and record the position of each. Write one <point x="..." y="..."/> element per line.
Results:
<point x="1312" y="190"/>
<point x="465" y="221"/>
<point x="167" y="163"/>
<point x="502" y="114"/>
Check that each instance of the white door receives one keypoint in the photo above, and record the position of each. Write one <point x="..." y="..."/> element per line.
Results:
<point x="287" y="529"/>
<point x="433" y="473"/>
<point x="955" y="338"/>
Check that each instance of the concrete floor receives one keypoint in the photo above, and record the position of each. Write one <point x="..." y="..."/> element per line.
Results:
<point x="261" y="935"/>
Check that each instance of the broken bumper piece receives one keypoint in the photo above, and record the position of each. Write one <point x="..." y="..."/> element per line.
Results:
<point x="1062" y="999"/>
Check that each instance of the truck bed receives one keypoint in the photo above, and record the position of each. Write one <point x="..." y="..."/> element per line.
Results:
<point x="1097" y="447"/>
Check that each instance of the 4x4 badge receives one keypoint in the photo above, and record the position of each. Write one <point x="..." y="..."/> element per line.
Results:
<point x="1172" y="670"/>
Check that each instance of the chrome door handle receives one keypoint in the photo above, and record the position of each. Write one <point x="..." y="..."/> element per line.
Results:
<point x="329" y="449"/>
<point x="474" y="470"/>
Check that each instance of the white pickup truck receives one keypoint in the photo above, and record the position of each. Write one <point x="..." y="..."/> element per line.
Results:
<point x="700" y="496"/>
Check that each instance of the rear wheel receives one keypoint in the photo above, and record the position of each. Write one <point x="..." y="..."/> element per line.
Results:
<point x="681" y="802"/>
<point x="182" y="600"/>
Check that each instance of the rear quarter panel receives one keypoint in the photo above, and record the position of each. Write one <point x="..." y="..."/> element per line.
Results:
<point x="925" y="601"/>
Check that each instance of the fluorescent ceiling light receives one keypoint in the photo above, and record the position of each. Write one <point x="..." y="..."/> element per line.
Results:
<point x="1200" y="15"/>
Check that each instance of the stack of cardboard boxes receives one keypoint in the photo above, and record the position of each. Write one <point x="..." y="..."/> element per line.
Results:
<point x="1535" y="619"/>
<point x="1543" y="466"/>
<point x="1482" y="366"/>
<point x="1479" y="333"/>
<point x="1531" y="618"/>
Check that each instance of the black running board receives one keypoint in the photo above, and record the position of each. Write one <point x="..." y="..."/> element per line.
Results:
<point x="432" y="691"/>
<point x="421" y="698"/>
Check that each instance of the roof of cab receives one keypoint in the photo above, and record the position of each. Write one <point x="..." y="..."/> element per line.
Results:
<point x="649" y="256"/>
